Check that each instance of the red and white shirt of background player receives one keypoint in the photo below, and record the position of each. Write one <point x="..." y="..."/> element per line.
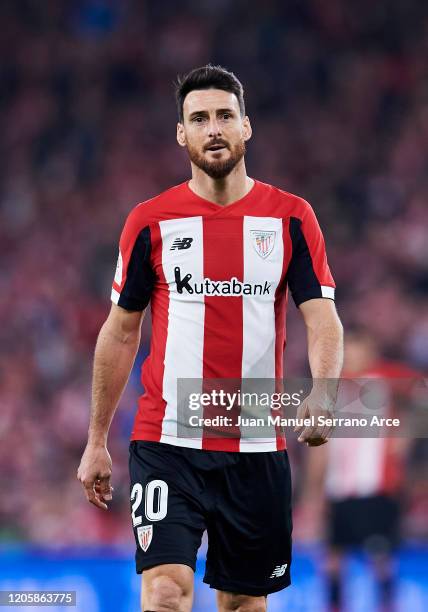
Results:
<point x="369" y="466"/>
<point x="216" y="278"/>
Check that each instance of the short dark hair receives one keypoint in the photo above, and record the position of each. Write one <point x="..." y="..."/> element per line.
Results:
<point x="208" y="77"/>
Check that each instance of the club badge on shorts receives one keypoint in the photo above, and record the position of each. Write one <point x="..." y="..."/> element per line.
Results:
<point x="263" y="242"/>
<point x="145" y="534"/>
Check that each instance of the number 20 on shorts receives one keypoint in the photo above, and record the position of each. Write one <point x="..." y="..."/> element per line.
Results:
<point x="153" y="488"/>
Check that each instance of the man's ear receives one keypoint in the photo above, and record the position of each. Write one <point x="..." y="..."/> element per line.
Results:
<point x="246" y="128"/>
<point x="181" y="137"/>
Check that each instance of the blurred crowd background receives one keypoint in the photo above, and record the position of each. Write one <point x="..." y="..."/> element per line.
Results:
<point x="338" y="97"/>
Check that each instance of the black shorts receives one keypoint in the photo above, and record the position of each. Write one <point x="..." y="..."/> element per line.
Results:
<point x="369" y="522"/>
<point x="243" y="500"/>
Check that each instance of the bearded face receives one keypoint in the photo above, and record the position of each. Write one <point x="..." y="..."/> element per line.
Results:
<point x="213" y="131"/>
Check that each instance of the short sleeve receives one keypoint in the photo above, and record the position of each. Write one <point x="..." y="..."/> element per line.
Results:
<point x="134" y="278"/>
<point x="308" y="274"/>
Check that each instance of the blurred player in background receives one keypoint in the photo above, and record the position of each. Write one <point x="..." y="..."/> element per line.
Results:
<point x="362" y="478"/>
<point x="214" y="256"/>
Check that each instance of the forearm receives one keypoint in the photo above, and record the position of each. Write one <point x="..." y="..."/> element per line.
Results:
<point x="325" y="352"/>
<point x="114" y="357"/>
<point x="325" y="349"/>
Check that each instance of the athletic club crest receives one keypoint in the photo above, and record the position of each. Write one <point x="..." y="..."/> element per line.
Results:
<point x="145" y="535"/>
<point x="263" y="242"/>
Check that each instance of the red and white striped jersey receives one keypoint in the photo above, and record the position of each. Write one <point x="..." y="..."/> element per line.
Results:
<point x="216" y="278"/>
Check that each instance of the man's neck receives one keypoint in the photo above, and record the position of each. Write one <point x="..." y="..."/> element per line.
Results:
<point x="224" y="191"/>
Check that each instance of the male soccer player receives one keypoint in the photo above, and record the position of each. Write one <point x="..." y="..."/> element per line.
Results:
<point x="214" y="256"/>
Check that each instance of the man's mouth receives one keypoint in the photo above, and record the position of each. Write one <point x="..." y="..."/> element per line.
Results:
<point x="216" y="147"/>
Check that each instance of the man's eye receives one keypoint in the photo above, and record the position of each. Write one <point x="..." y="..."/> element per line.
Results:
<point x="198" y="119"/>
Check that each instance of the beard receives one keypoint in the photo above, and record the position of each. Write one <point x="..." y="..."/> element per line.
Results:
<point x="217" y="169"/>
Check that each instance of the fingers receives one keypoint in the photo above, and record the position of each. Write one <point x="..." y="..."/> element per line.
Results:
<point x="92" y="496"/>
<point x="105" y="487"/>
<point x="97" y="490"/>
<point x="316" y="441"/>
<point x="302" y="413"/>
<point x="307" y="432"/>
<point x="313" y="434"/>
<point x="327" y="431"/>
<point x="106" y="493"/>
<point x="94" y="473"/>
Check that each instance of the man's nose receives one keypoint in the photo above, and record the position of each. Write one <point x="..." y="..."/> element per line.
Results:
<point x="214" y="128"/>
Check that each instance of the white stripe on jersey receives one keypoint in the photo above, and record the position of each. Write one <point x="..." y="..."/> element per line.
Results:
<point x="355" y="467"/>
<point x="259" y="331"/>
<point x="258" y="358"/>
<point x="258" y="445"/>
<point x="185" y="337"/>
<point x="115" y="295"/>
<point x="327" y="292"/>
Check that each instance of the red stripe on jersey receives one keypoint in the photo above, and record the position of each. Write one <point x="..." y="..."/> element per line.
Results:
<point x="392" y="468"/>
<point x="223" y="259"/>
<point x="150" y="414"/>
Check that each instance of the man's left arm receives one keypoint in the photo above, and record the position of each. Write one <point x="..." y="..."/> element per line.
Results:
<point x="325" y="353"/>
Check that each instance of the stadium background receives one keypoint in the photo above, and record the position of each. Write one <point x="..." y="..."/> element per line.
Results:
<point x="338" y="96"/>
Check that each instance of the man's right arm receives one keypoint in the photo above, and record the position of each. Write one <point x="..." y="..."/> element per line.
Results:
<point x="115" y="352"/>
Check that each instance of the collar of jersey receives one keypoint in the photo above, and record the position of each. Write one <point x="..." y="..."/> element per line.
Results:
<point x="245" y="199"/>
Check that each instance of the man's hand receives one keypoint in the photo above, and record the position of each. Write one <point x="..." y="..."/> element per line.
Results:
<point x="315" y="405"/>
<point x="94" y="473"/>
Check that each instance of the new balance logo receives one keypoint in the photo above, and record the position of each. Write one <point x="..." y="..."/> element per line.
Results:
<point x="279" y="571"/>
<point x="234" y="287"/>
<point x="181" y="243"/>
